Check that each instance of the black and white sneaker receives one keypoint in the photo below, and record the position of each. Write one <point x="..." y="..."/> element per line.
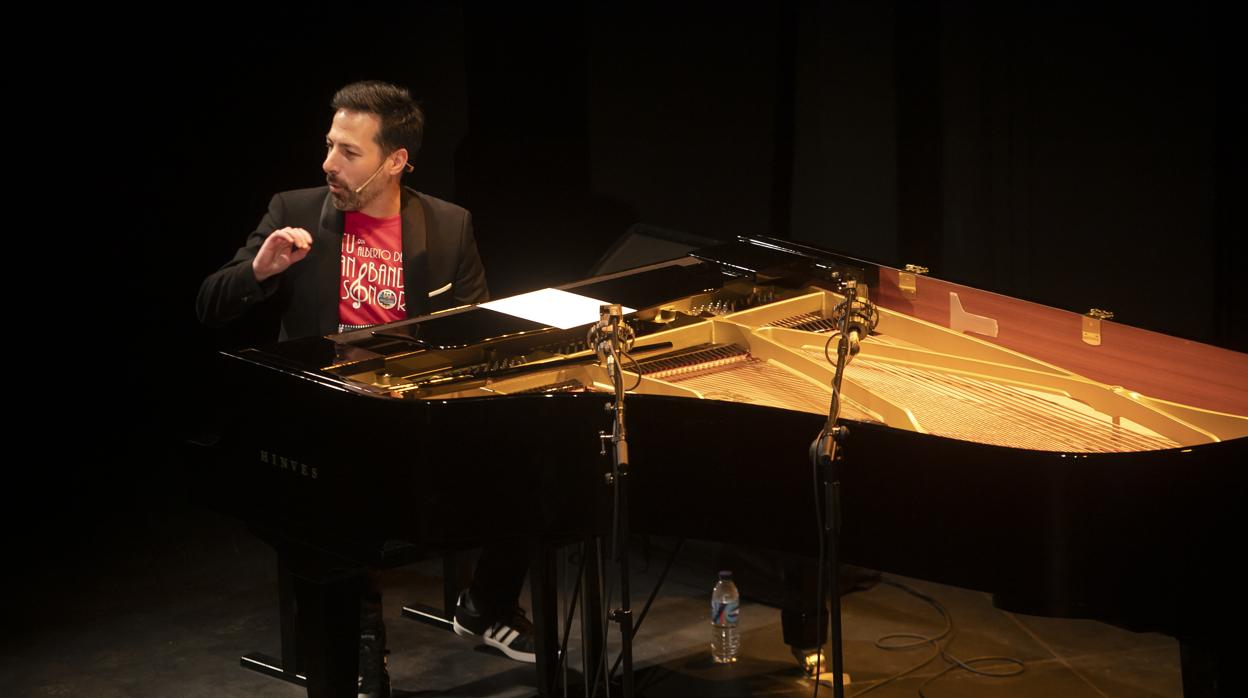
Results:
<point x="511" y="633"/>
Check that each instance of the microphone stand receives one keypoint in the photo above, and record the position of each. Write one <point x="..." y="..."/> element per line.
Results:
<point x="855" y="317"/>
<point x="613" y="340"/>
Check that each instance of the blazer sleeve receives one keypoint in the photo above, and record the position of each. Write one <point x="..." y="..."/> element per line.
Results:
<point x="230" y="291"/>
<point x="469" y="285"/>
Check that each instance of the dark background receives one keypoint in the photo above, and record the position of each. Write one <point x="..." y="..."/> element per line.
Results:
<point x="1075" y="154"/>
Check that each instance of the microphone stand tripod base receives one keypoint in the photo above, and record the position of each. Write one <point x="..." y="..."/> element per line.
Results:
<point x="809" y="659"/>
<point x="826" y="678"/>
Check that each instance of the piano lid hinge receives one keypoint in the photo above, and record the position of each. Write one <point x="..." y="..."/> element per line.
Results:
<point x="907" y="279"/>
<point x="1092" y="325"/>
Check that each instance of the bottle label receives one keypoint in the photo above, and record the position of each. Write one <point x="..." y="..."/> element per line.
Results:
<point x="725" y="613"/>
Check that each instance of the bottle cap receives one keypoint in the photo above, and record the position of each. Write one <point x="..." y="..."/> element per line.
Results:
<point x="725" y="574"/>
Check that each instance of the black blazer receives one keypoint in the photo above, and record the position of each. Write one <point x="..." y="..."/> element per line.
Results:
<point x="439" y="257"/>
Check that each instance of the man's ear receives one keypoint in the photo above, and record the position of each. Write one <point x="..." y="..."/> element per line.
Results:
<point x="398" y="161"/>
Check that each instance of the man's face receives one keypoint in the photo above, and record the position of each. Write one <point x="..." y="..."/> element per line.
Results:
<point x="352" y="156"/>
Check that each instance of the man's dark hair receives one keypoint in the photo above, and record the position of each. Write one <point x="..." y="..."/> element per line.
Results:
<point x="402" y="122"/>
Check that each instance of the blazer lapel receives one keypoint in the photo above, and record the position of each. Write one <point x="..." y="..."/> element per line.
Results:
<point x="328" y="271"/>
<point x="415" y="254"/>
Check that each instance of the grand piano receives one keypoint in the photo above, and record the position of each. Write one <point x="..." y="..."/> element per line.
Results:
<point x="1070" y="465"/>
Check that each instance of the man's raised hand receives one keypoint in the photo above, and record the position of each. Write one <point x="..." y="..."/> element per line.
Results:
<point x="282" y="248"/>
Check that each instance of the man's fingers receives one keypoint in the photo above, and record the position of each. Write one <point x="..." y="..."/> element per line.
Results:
<point x="295" y="237"/>
<point x="303" y="238"/>
<point x="280" y="237"/>
<point x="282" y="248"/>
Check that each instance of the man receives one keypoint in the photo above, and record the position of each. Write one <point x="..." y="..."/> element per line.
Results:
<point x="361" y="251"/>
<point x="308" y="253"/>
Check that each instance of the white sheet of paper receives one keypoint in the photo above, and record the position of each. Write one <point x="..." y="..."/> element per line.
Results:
<point x="550" y="306"/>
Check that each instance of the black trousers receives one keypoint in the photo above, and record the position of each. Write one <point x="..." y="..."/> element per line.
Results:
<point x="495" y="588"/>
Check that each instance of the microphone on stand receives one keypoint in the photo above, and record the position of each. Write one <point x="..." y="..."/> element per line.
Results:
<point x="855" y="317"/>
<point x="610" y="337"/>
<point x="858" y="316"/>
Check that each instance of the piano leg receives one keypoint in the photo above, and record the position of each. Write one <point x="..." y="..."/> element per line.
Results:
<point x="1201" y="666"/>
<point x="288" y="668"/>
<point x="287" y="617"/>
<point x="543" y="581"/>
<point x="329" y="634"/>
<point x="320" y="628"/>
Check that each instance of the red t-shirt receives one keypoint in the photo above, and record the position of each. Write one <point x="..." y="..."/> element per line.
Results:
<point x="371" y="288"/>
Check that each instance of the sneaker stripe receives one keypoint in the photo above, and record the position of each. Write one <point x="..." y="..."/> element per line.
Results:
<point x="513" y="637"/>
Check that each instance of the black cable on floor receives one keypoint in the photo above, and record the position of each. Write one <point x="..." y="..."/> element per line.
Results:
<point x="914" y="640"/>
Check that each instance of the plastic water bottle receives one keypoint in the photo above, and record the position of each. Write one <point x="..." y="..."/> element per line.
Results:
<point x="725" y="614"/>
